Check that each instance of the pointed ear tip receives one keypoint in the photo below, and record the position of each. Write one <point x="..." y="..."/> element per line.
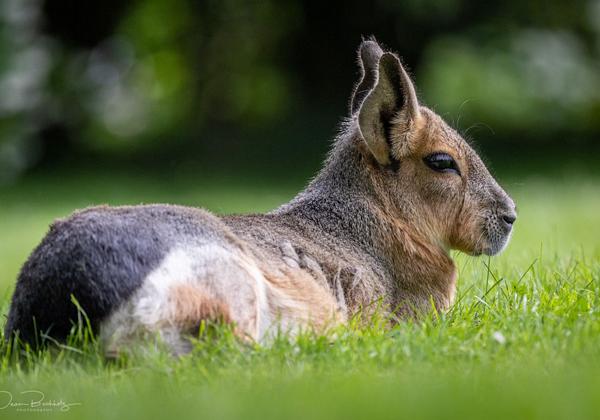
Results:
<point x="390" y="57"/>
<point x="369" y="47"/>
<point x="368" y="42"/>
<point x="389" y="63"/>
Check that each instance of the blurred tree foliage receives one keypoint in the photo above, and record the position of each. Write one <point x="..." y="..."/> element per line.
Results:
<point x="158" y="77"/>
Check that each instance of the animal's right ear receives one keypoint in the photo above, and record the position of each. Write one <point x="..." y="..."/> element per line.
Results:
<point x="384" y="90"/>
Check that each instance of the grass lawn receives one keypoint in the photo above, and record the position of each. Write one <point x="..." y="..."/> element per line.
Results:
<point x="522" y="341"/>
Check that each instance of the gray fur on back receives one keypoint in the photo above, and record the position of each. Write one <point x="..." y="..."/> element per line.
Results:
<point x="100" y="256"/>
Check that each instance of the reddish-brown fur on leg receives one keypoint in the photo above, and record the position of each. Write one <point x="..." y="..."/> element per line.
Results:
<point x="191" y="306"/>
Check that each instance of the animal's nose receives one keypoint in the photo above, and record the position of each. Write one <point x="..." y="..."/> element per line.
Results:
<point x="509" y="218"/>
<point x="507" y="210"/>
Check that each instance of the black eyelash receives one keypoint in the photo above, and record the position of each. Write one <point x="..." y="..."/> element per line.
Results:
<point x="441" y="162"/>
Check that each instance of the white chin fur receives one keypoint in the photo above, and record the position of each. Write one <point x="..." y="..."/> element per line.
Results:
<point x="499" y="246"/>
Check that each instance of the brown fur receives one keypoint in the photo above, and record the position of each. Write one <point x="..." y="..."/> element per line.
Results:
<point x="377" y="220"/>
<point x="190" y="306"/>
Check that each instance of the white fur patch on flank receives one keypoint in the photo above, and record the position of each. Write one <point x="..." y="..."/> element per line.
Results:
<point x="176" y="268"/>
<point x="223" y="274"/>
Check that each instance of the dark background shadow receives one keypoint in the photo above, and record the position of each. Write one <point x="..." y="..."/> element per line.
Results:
<point x="260" y="86"/>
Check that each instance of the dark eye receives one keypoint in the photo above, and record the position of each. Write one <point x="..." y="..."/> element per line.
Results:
<point x="441" y="162"/>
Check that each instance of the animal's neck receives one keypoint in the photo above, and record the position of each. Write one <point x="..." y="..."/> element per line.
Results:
<point x="342" y="202"/>
<point x="340" y="199"/>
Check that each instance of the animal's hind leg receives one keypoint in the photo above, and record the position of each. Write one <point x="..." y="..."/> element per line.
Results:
<point x="194" y="284"/>
<point x="190" y="305"/>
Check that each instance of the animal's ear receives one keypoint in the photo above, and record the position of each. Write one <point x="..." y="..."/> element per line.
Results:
<point x="369" y="54"/>
<point x="385" y="89"/>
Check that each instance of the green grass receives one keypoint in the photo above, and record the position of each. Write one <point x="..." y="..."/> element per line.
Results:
<point x="522" y="341"/>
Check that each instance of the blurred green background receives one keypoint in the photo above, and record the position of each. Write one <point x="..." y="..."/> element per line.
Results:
<point x="260" y="85"/>
<point x="231" y="105"/>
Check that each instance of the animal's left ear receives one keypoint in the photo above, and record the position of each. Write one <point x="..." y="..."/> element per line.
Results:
<point x="385" y="90"/>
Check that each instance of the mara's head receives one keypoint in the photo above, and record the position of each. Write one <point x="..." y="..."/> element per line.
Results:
<point x="422" y="167"/>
